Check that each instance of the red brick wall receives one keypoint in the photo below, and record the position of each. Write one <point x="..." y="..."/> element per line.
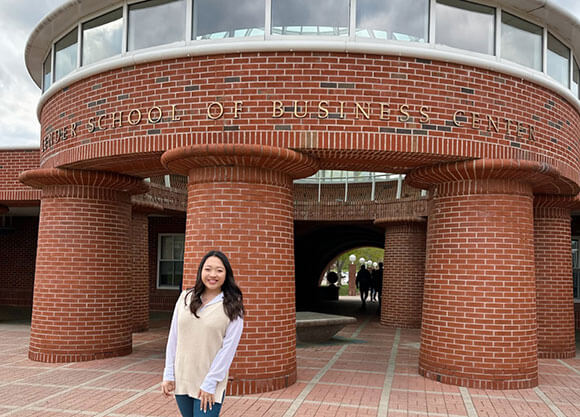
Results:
<point x="479" y="310"/>
<point x="140" y="270"/>
<point x="555" y="301"/>
<point x="404" y="273"/>
<point x="12" y="163"/>
<point x="257" y="78"/>
<point x="17" y="261"/>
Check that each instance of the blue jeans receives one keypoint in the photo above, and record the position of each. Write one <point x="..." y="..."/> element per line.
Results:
<point x="190" y="407"/>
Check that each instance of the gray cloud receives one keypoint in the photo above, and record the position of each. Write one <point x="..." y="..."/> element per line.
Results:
<point x="18" y="94"/>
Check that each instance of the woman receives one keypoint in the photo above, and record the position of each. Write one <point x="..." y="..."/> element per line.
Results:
<point x="205" y="331"/>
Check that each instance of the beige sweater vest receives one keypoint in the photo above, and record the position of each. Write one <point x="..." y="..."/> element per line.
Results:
<point x="198" y="342"/>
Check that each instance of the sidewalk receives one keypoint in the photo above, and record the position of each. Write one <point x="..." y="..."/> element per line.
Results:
<point x="368" y="370"/>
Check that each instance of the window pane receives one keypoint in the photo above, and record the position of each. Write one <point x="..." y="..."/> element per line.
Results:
<point x="216" y="19"/>
<point x="102" y="37"/>
<point x="576" y="79"/>
<point x="558" y="61"/>
<point x="148" y="23"/>
<point x="307" y="17"/>
<point x="47" y="72"/>
<point x="178" y="244"/>
<point x="65" y="59"/>
<point x="405" y="20"/>
<point x="166" y="273"/>
<point x="465" y="25"/>
<point x="521" y="41"/>
<point x="177" y="273"/>
<point x="167" y="247"/>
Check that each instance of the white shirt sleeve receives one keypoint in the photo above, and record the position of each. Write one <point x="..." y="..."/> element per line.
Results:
<point x="222" y="361"/>
<point x="171" y="349"/>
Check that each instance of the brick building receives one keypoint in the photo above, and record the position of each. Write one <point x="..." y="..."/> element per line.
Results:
<point x="163" y="140"/>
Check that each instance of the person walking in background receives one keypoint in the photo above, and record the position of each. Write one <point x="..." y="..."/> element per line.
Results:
<point x="205" y="331"/>
<point x="378" y="281"/>
<point x="373" y="288"/>
<point x="363" y="283"/>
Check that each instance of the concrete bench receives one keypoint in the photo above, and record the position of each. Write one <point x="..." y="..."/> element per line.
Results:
<point x="319" y="327"/>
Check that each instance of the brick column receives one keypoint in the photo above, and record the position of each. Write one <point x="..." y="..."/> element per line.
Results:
<point x="140" y="263"/>
<point x="479" y="305"/>
<point x="240" y="201"/>
<point x="82" y="288"/>
<point x="404" y="271"/>
<point x="555" y="302"/>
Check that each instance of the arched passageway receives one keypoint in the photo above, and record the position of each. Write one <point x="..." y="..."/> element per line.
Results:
<point x="317" y="244"/>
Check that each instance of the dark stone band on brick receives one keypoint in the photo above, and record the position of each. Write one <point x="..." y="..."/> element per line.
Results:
<point x="328" y="85"/>
<point x="154" y="131"/>
<point x="232" y="79"/>
<point x="97" y="86"/>
<point x="283" y="127"/>
<point x="100" y="112"/>
<point x="123" y="97"/>
<point x="419" y="132"/>
<point x="345" y="85"/>
<point x="161" y="79"/>
<point x="403" y="131"/>
<point x="62" y="115"/>
<point x="400" y="76"/>
<point x="467" y="90"/>
<point x="444" y="128"/>
<point x="192" y="88"/>
<point x="515" y="144"/>
<point x="429" y="127"/>
<point x="554" y="140"/>
<point x="423" y="61"/>
<point x="387" y="130"/>
<point x="231" y="128"/>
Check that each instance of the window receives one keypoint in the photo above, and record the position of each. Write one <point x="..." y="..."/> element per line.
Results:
<point x="576" y="79"/>
<point x="521" y="41"/>
<point x="170" y="260"/>
<point x="313" y="18"/>
<point x="102" y="37"/>
<point x="558" y="61"/>
<point x="65" y="56"/>
<point x="213" y="19"/>
<point x="156" y="22"/>
<point x="465" y="25"/>
<point x="404" y="20"/>
<point x="47" y="72"/>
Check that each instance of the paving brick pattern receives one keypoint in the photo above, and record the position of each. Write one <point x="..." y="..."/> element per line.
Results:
<point x="367" y="370"/>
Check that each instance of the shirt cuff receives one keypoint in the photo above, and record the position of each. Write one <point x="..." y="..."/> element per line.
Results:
<point x="209" y="386"/>
<point x="168" y="375"/>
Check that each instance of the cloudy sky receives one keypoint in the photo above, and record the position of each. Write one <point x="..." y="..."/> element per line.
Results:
<point x="18" y="94"/>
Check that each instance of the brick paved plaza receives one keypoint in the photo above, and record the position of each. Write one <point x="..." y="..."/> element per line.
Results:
<point x="368" y="370"/>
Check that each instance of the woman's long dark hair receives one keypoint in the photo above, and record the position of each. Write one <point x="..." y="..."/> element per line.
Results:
<point x="233" y="300"/>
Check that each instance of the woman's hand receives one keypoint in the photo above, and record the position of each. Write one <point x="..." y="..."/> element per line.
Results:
<point x="167" y="388"/>
<point x="206" y="400"/>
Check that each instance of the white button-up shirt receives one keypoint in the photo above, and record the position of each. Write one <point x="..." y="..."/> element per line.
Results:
<point x="222" y="361"/>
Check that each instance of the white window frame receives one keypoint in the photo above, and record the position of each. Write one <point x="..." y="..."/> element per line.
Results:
<point x="159" y="240"/>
